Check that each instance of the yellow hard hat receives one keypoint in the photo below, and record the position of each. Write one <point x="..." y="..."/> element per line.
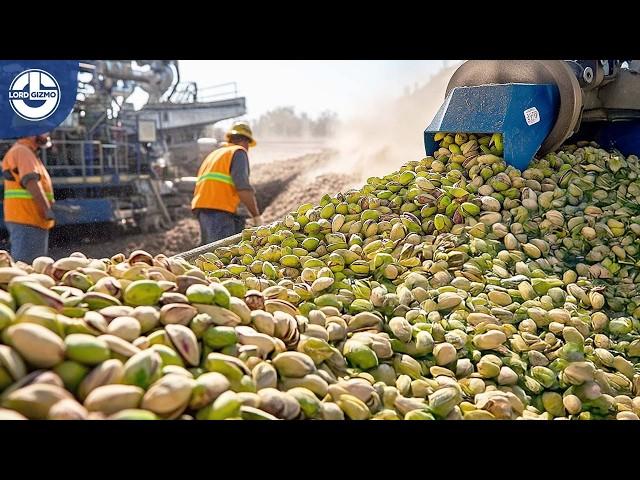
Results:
<point x="241" y="128"/>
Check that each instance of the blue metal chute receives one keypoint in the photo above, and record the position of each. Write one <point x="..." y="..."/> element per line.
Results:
<point x="523" y="113"/>
<point x="624" y="136"/>
<point x="84" y="210"/>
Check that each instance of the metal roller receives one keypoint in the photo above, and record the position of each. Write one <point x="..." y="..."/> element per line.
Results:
<point x="553" y="72"/>
<point x="538" y="105"/>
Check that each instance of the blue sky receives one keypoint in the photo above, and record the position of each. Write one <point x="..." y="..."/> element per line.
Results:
<point x="311" y="85"/>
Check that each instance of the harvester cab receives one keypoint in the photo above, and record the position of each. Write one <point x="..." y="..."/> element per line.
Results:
<point x="538" y="105"/>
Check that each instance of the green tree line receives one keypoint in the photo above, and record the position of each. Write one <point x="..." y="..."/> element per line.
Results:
<point x="286" y="122"/>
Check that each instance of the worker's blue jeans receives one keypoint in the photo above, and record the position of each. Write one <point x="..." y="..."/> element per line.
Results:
<point x="216" y="225"/>
<point x="27" y="242"/>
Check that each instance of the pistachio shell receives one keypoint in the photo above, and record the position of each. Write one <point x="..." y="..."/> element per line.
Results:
<point x="110" y="399"/>
<point x="38" y="345"/>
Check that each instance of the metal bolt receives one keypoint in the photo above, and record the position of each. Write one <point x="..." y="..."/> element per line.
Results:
<point x="587" y="74"/>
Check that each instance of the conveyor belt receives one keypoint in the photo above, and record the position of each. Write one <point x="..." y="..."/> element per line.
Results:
<point x="196" y="252"/>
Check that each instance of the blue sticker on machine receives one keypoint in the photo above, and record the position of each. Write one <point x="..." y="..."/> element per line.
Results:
<point x="35" y="95"/>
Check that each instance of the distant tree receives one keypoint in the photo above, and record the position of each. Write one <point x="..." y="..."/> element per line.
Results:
<point x="285" y="122"/>
<point x="324" y="125"/>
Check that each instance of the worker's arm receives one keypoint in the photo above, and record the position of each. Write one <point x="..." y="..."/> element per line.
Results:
<point x="248" y="198"/>
<point x="26" y="162"/>
<point x="36" y="191"/>
<point x="240" y="174"/>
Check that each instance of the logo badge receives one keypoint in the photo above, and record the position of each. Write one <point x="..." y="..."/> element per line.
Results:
<point x="34" y="94"/>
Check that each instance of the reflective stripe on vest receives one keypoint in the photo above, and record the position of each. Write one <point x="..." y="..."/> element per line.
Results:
<point x="216" y="177"/>
<point x="24" y="194"/>
<point x="19" y="205"/>
<point x="214" y="187"/>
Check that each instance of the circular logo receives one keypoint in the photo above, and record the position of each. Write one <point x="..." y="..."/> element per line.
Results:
<point x="34" y="95"/>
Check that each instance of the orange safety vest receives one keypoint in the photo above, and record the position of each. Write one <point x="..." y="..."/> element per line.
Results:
<point x="19" y="206"/>
<point x="214" y="186"/>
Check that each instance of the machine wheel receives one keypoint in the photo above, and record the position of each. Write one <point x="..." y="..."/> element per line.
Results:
<point x="556" y="72"/>
<point x="150" y="224"/>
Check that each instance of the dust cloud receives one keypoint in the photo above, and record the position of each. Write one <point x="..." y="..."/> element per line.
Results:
<point x="389" y="133"/>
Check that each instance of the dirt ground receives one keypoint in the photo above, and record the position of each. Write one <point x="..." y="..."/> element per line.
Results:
<point x="280" y="185"/>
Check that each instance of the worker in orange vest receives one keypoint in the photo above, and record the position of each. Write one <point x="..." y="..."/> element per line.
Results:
<point x="28" y="198"/>
<point x="222" y="183"/>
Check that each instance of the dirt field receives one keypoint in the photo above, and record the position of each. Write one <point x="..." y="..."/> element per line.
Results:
<point x="281" y="186"/>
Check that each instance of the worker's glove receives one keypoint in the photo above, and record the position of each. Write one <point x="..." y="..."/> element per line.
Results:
<point x="256" y="221"/>
<point x="49" y="215"/>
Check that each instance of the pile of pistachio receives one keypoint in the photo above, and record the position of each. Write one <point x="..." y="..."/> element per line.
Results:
<point x="455" y="288"/>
